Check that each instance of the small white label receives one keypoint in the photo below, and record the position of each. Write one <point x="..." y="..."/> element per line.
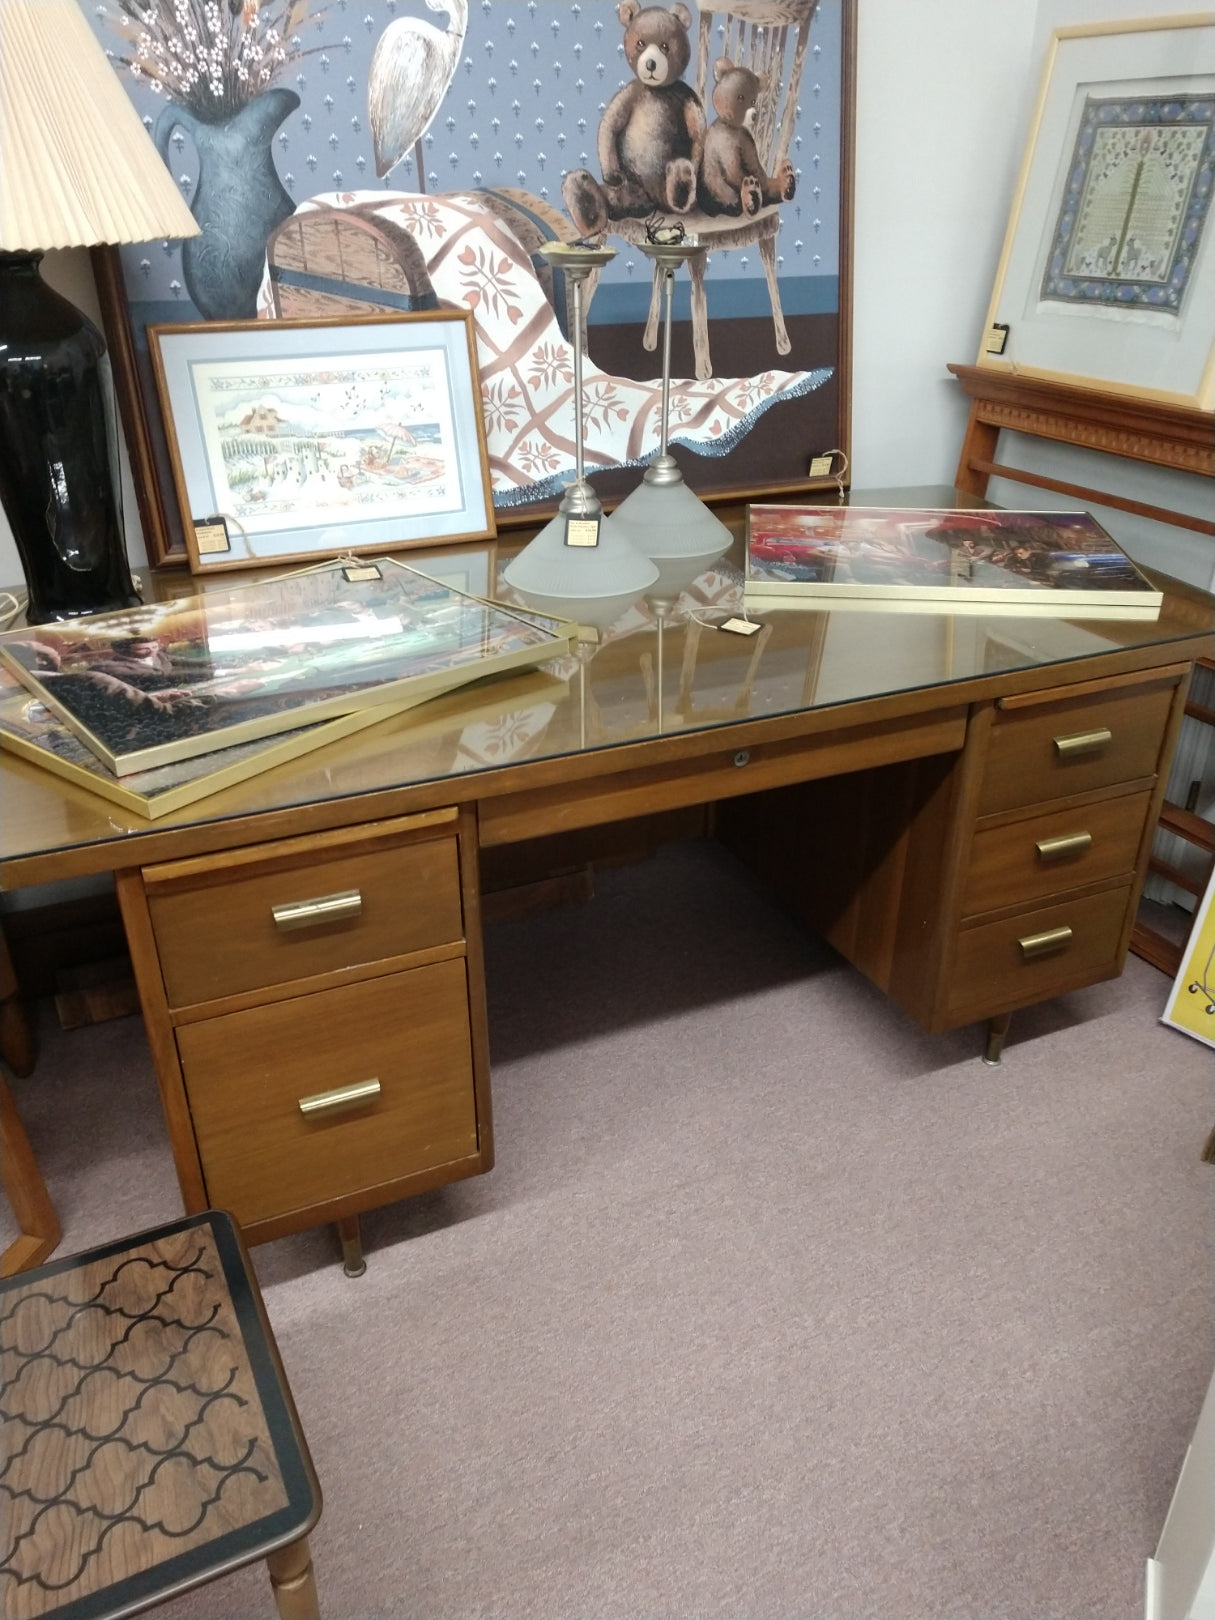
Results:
<point x="582" y="532"/>
<point x="740" y="627"/>
<point x="211" y="536"/>
<point x="357" y="573"/>
<point x="820" y="467"/>
<point x="997" y="337"/>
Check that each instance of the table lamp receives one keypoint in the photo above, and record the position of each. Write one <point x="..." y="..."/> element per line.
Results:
<point x="662" y="516"/>
<point x="580" y="566"/>
<point x="77" y="168"/>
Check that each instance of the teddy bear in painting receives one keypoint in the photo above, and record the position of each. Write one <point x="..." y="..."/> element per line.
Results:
<point x="651" y="132"/>
<point x="732" y="178"/>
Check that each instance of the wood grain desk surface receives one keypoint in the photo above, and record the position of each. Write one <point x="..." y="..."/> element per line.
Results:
<point x="645" y="697"/>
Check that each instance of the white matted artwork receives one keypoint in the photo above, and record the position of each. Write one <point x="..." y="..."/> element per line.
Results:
<point x="300" y="439"/>
<point x="1107" y="277"/>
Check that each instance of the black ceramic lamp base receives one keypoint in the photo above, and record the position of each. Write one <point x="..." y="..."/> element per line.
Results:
<point x="55" y="478"/>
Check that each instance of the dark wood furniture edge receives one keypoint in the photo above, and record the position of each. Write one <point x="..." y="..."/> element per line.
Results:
<point x="1176" y="436"/>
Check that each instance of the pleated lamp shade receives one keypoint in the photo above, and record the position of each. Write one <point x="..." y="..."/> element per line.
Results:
<point x="77" y="166"/>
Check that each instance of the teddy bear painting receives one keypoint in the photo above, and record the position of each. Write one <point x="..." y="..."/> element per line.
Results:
<point x="732" y="177"/>
<point x="652" y="131"/>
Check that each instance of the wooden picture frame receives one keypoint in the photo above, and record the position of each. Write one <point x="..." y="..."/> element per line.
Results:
<point x="323" y="148"/>
<point x="296" y="440"/>
<point x="1107" y="275"/>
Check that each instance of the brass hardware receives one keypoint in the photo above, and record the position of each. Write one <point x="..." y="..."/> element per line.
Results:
<point x="1054" y="939"/>
<point x="324" y="909"/>
<point x="322" y="1102"/>
<point x="1083" y="742"/>
<point x="1057" y="849"/>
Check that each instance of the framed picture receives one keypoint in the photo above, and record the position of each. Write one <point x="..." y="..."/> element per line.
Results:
<point x="1107" y="277"/>
<point x="298" y="439"/>
<point x="1191" y="1003"/>
<point x="171" y="681"/>
<point x="326" y="192"/>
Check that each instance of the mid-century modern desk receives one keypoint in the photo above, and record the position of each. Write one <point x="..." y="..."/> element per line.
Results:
<point x="962" y="805"/>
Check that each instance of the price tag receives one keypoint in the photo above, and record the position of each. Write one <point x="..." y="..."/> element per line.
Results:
<point x="360" y="571"/>
<point x="740" y="627"/>
<point x="820" y="467"/>
<point x="997" y="338"/>
<point x="211" y="536"/>
<point x="582" y="532"/>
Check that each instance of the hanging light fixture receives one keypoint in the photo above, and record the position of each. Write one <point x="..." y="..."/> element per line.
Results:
<point x="581" y="565"/>
<point x="662" y="516"/>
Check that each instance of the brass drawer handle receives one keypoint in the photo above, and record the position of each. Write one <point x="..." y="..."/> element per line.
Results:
<point x="325" y="908"/>
<point x="1054" y="939"/>
<point x="1083" y="742"/>
<point x="1057" y="849"/>
<point x="323" y="1102"/>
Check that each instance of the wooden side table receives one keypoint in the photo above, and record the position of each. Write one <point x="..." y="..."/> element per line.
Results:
<point x="149" y="1442"/>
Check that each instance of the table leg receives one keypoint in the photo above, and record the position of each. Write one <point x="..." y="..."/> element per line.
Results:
<point x="18" y="1047"/>
<point x="353" y="1263"/>
<point x="997" y="1029"/>
<point x="26" y="1191"/>
<point x="294" y="1582"/>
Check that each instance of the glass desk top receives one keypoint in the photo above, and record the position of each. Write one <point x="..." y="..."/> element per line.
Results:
<point x="644" y="681"/>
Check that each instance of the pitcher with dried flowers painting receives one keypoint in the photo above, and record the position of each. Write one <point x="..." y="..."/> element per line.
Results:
<point x="217" y="63"/>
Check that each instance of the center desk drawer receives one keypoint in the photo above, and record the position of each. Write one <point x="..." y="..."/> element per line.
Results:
<point x="402" y="1041"/>
<point x="1043" y="855"/>
<point x="1074" y="746"/>
<point x="292" y="909"/>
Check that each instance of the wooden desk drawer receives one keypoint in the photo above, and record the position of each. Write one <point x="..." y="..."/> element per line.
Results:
<point x="221" y="938"/>
<point x="246" y="1072"/>
<point x="1009" y="963"/>
<point x="1071" y="747"/>
<point x="1046" y="854"/>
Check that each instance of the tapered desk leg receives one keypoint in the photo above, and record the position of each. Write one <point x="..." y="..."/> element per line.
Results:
<point x="26" y="1192"/>
<point x="294" y="1582"/>
<point x="353" y="1263"/>
<point x="997" y="1029"/>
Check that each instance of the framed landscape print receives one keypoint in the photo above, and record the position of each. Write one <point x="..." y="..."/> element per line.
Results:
<point x="170" y="681"/>
<point x="328" y="186"/>
<point x="1107" y="277"/>
<point x="291" y="439"/>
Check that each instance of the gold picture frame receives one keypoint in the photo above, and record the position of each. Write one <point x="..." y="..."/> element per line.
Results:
<point x="1107" y="275"/>
<point x="174" y="680"/>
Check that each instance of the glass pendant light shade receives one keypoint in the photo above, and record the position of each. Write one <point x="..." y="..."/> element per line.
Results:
<point x="673" y="527"/>
<point x="590" y="584"/>
<point x="580" y="566"/>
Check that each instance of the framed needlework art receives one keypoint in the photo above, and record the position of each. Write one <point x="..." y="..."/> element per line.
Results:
<point x="1107" y="277"/>
<point x="298" y="439"/>
<point x="329" y="184"/>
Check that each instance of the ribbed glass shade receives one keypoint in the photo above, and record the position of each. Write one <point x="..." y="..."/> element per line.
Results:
<point x="77" y="166"/>
<point x="590" y="584"/>
<point x="675" y="529"/>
